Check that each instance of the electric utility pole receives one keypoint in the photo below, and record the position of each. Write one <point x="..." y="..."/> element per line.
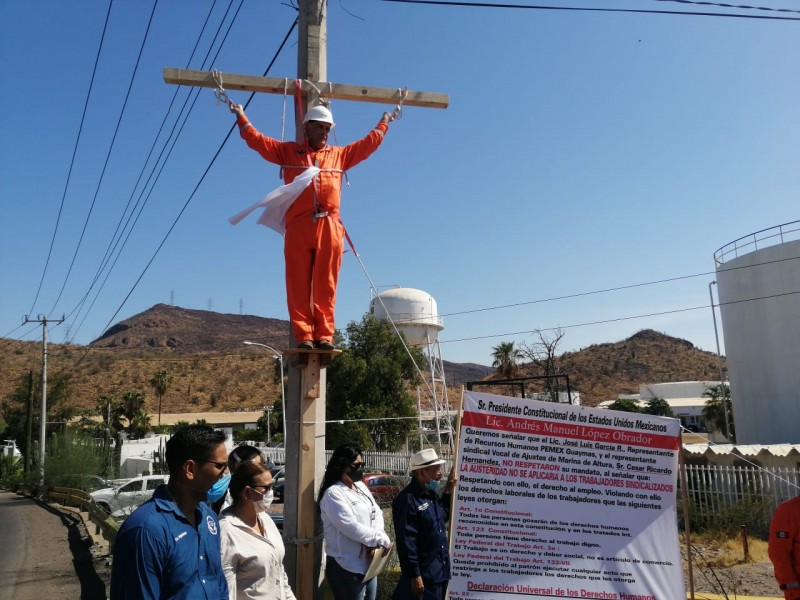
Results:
<point x="43" y="416"/>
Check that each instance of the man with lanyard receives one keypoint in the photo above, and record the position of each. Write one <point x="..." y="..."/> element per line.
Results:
<point x="420" y="523"/>
<point x="169" y="548"/>
<point x="314" y="234"/>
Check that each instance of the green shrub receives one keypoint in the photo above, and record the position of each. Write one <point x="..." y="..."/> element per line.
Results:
<point x="71" y="453"/>
<point x="752" y="510"/>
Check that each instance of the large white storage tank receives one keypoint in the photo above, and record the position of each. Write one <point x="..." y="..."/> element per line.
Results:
<point x="758" y="277"/>
<point x="413" y="312"/>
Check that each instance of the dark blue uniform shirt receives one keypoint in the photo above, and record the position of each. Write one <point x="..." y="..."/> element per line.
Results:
<point x="420" y="525"/>
<point x="158" y="554"/>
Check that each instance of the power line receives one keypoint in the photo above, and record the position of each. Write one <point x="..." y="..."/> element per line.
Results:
<point x="140" y="205"/>
<point x="606" y="290"/>
<point x="585" y="9"/>
<point x="72" y="161"/>
<point x="742" y="6"/>
<point x="618" y="319"/>
<point x="191" y="196"/>
<point x="108" y="154"/>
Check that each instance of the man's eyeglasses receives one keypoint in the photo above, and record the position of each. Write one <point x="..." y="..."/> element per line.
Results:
<point x="221" y="466"/>
<point x="266" y="488"/>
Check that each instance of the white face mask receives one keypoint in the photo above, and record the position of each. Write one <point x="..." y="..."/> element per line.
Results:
<point x="264" y="503"/>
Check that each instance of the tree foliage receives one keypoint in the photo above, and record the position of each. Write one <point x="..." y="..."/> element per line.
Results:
<point x="15" y="408"/>
<point x="505" y="358"/>
<point x="714" y="410"/>
<point x="543" y="355"/>
<point x="161" y="382"/>
<point x="658" y="407"/>
<point x="625" y="405"/>
<point x="369" y="386"/>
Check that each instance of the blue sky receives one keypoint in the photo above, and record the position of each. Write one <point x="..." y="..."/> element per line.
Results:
<point x="581" y="151"/>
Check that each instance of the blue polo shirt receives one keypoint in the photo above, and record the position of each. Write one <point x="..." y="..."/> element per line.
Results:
<point x="420" y="526"/>
<point x="158" y="554"/>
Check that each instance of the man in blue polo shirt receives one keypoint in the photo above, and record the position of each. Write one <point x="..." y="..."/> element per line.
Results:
<point x="169" y="548"/>
<point x="420" y="524"/>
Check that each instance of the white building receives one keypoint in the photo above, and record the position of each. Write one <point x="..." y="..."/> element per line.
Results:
<point x="685" y="398"/>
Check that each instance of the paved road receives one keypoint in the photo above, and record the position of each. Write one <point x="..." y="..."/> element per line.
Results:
<point x="42" y="554"/>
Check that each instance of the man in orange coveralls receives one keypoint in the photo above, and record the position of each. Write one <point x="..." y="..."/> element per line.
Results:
<point x="784" y="547"/>
<point x="313" y="242"/>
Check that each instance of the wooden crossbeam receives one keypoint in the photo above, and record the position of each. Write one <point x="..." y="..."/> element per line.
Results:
<point x="275" y="85"/>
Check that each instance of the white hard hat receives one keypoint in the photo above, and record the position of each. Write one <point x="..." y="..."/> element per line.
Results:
<point x="319" y="113"/>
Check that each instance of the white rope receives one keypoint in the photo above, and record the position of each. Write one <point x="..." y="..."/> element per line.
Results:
<point x="220" y="94"/>
<point x="398" y="110"/>
<point x="283" y="117"/>
<point x="391" y="321"/>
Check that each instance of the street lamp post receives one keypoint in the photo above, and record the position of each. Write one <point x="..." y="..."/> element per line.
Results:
<point x="279" y="356"/>
<point x="269" y="418"/>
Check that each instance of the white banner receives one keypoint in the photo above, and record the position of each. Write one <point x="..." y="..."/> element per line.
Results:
<point x="555" y="500"/>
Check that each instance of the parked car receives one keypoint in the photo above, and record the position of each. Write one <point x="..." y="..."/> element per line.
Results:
<point x="384" y="487"/>
<point x="277" y="484"/>
<point x="80" y="481"/>
<point x="122" y="500"/>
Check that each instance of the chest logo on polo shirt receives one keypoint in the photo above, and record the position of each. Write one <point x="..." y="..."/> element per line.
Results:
<point x="422" y="507"/>
<point x="212" y="525"/>
<point x="782" y="534"/>
<point x="180" y="535"/>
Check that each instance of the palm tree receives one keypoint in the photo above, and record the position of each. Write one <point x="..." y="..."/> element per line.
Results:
<point x="161" y="382"/>
<point x="140" y="425"/>
<point x="715" y="412"/>
<point x="132" y="403"/>
<point x="111" y="411"/>
<point x="504" y="359"/>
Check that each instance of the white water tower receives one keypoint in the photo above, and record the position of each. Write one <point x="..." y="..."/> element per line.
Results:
<point x="414" y="313"/>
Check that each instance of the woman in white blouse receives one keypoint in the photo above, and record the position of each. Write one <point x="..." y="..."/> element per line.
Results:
<point x="353" y="526"/>
<point x="252" y="548"/>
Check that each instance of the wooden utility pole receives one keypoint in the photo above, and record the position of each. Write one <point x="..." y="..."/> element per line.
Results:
<point x="305" y="400"/>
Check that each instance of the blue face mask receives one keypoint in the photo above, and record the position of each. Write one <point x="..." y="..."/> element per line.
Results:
<point x="433" y="485"/>
<point x="218" y="490"/>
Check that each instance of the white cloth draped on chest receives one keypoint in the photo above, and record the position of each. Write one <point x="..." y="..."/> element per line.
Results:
<point x="278" y="201"/>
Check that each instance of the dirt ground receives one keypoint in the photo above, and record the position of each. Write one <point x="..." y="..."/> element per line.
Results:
<point x="65" y="563"/>
<point x="751" y="579"/>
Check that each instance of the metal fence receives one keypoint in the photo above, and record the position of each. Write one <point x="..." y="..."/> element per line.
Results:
<point x="713" y="489"/>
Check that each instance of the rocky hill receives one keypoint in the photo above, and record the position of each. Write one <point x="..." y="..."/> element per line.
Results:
<point x="604" y="371"/>
<point x="214" y="371"/>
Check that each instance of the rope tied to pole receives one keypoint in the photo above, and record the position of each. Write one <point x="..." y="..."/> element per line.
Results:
<point x="397" y="113"/>
<point x="220" y="94"/>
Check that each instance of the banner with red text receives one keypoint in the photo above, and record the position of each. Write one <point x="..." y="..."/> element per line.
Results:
<point x="555" y="500"/>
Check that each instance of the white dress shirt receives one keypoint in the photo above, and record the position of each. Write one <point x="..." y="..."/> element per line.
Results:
<point x="252" y="563"/>
<point x="353" y="523"/>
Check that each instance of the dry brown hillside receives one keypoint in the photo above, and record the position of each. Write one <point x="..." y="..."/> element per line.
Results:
<point x="214" y="371"/>
<point x="604" y="371"/>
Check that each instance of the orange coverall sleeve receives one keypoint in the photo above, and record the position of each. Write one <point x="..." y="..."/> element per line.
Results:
<point x="269" y="148"/>
<point x="354" y="153"/>
<point x="784" y="546"/>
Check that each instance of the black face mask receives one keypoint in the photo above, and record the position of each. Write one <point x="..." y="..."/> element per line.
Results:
<point x="356" y="474"/>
